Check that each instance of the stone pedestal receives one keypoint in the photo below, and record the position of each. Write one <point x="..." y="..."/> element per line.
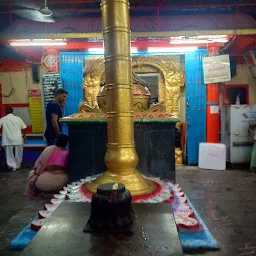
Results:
<point x="155" y="145"/>
<point x="62" y="234"/>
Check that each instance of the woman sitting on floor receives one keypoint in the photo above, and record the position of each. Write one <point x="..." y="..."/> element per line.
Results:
<point x="50" y="170"/>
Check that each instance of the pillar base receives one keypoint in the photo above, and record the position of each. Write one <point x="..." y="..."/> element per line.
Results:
<point x="134" y="182"/>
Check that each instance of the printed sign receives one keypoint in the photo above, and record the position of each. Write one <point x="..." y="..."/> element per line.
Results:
<point x="214" y="109"/>
<point x="216" y="69"/>
<point x="51" y="82"/>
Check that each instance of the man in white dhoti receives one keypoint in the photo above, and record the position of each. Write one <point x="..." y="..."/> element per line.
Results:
<point x="13" y="138"/>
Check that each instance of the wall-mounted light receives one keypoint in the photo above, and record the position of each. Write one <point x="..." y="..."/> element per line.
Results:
<point x="172" y="49"/>
<point x="212" y="36"/>
<point x="96" y="50"/>
<point x="39" y="42"/>
<point x="199" y="39"/>
<point x="101" y="50"/>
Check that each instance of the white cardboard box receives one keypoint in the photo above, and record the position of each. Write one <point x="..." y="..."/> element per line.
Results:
<point x="212" y="156"/>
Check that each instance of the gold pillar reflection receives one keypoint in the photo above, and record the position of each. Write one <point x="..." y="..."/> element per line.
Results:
<point x="121" y="157"/>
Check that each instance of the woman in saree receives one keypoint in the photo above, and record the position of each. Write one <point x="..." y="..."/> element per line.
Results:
<point x="50" y="170"/>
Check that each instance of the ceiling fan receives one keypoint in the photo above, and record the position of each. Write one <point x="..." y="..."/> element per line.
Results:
<point x="32" y="11"/>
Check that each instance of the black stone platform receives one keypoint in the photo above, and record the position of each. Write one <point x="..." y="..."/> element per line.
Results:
<point x="155" y="145"/>
<point x="154" y="234"/>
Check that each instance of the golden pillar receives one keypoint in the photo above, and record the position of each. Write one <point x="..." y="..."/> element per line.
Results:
<point x="121" y="157"/>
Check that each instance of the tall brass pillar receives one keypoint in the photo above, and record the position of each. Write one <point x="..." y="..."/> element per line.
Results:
<point x="121" y="157"/>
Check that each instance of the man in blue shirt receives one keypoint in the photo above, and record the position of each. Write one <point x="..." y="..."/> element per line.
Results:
<point x="54" y="112"/>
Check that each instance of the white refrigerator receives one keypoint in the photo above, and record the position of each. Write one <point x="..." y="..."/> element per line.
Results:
<point x="234" y="132"/>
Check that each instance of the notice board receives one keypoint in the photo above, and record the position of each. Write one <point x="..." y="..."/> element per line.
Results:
<point x="216" y="69"/>
<point x="50" y="82"/>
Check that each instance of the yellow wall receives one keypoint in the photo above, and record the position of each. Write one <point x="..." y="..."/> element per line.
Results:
<point x="21" y="81"/>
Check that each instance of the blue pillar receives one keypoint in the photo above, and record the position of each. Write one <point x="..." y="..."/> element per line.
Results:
<point x="195" y="103"/>
<point x="71" y="73"/>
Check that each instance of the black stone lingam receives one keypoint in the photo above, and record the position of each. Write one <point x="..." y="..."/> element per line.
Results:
<point x="111" y="209"/>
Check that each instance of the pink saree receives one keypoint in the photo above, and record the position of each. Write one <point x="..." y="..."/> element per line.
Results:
<point x="40" y="166"/>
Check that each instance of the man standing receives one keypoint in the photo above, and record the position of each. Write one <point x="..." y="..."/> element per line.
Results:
<point x="54" y="112"/>
<point x="13" y="138"/>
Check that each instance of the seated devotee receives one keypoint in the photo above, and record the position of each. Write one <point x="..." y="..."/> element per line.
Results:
<point x="50" y="170"/>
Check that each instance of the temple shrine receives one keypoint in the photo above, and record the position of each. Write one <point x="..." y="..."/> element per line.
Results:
<point x="151" y="106"/>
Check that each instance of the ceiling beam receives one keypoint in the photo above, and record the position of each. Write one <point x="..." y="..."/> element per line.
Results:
<point x="153" y="7"/>
<point x="160" y="34"/>
<point x="52" y="2"/>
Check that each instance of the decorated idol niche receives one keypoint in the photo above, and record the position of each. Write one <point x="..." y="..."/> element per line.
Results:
<point x="141" y="97"/>
<point x="170" y="81"/>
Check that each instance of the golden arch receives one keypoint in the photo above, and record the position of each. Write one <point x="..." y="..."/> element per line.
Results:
<point x="171" y="79"/>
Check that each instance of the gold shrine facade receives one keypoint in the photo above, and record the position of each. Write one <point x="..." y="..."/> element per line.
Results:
<point x="170" y="81"/>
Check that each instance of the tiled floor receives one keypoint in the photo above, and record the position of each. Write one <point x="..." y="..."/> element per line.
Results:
<point x="226" y="201"/>
<point x="16" y="211"/>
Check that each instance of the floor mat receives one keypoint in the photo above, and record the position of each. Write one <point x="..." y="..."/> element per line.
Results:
<point x="23" y="238"/>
